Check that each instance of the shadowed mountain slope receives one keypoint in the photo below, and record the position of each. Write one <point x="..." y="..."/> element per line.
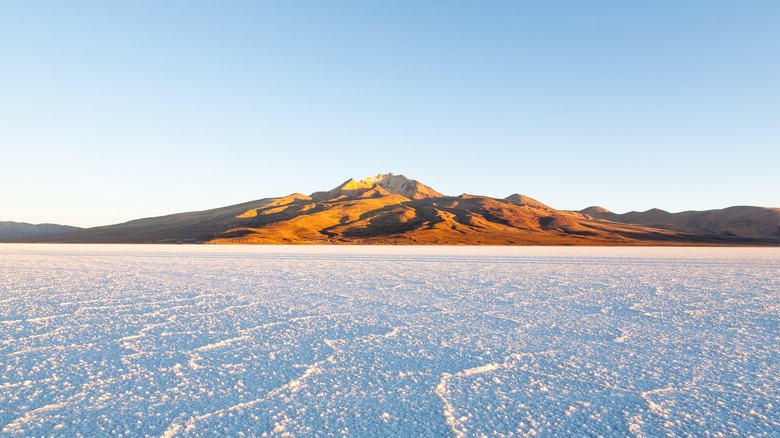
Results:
<point x="17" y="230"/>
<point x="741" y="221"/>
<point x="393" y="209"/>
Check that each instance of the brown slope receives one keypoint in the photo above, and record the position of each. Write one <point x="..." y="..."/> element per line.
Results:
<point x="191" y="227"/>
<point x="307" y="221"/>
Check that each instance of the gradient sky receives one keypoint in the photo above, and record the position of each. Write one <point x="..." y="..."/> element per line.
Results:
<point x="116" y="110"/>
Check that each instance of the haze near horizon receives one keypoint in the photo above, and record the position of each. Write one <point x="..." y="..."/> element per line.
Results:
<point x="117" y="111"/>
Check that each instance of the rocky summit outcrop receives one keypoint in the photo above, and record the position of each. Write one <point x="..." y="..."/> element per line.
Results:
<point x="380" y="185"/>
<point x="393" y="209"/>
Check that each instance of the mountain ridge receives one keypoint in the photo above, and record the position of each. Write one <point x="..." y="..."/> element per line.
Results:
<point x="11" y="230"/>
<point x="394" y="209"/>
<point x="744" y="221"/>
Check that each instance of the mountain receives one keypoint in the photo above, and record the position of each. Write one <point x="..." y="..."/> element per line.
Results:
<point x="17" y="230"/>
<point x="393" y="209"/>
<point x="741" y="221"/>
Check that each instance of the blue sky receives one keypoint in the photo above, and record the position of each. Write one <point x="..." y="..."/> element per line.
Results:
<point x="111" y="111"/>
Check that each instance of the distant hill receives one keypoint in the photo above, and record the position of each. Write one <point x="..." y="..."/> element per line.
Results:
<point x="742" y="221"/>
<point x="393" y="209"/>
<point x="17" y="230"/>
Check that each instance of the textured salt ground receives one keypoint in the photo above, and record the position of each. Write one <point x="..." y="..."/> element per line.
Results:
<point x="366" y="341"/>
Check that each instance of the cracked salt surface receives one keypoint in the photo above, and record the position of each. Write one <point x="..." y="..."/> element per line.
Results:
<point x="388" y="341"/>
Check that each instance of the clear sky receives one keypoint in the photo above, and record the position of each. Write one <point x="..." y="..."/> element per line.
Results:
<point x="117" y="110"/>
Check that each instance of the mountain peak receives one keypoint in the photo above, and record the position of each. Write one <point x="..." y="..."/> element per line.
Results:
<point x="389" y="182"/>
<point x="595" y="210"/>
<point x="528" y="201"/>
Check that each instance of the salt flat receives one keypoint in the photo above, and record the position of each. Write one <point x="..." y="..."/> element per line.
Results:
<point x="388" y="341"/>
